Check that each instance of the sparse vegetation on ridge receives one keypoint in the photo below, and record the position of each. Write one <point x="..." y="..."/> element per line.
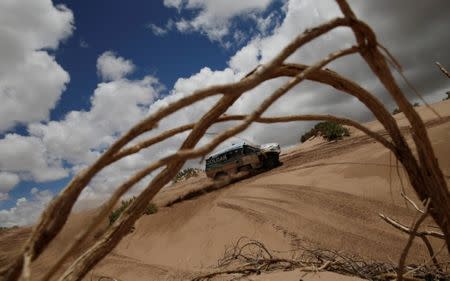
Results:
<point x="4" y="228"/>
<point x="186" y="174"/>
<point x="397" y="111"/>
<point x="329" y="130"/>
<point x="150" y="209"/>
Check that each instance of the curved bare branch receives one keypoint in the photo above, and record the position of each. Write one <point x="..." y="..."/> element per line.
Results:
<point x="49" y="225"/>
<point x="174" y="162"/>
<point x="424" y="174"/>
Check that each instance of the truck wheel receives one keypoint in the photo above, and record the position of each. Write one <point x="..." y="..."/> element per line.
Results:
<point x="246" y="168"/>
<point x="271" y="161"/>
<point x="220" y="176"/>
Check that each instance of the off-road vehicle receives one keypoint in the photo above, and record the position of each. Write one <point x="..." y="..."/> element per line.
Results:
<point x="242" y="157"/>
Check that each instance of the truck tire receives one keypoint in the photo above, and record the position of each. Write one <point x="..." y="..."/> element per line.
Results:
<point x="220" y="176"/>
<point x="271" y="161"/>
<point x="246" y="168"/>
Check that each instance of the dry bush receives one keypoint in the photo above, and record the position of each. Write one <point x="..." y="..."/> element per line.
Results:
<point x="329" y="130"/>
<point x="424" y="172"/>
<point x="150" y="209"/>
<point x="247" y="256"/>
<point x="186" y="174"/>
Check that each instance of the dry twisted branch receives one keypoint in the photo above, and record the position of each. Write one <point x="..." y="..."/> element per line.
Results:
<point x="49" y="226"/>
<point x="174" y="163"/>
<point x="424" y="174"/>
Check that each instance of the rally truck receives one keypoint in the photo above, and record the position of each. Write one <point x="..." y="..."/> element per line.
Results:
<point x="242" y="157"/>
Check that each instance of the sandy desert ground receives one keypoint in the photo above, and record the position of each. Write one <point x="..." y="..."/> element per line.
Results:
<point x="327" y="195"/>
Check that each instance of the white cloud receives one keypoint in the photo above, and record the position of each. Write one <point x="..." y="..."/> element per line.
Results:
<point x="7" y="182"/>
<point x="158" y="31"/>
<point x="112" y="67"/>
<point x="31" y="101"/>
<point x="214" y="18"/>
<point x="28" y="157"/>
<point x="80" y="137"/>
<point x="115" y="106"/>
<point x="26" y="211"/>
<point x="25" y="29"/>
<point x="246" y="58"/>
<point x="83" y="44"/>
<point x="173" y="3"/>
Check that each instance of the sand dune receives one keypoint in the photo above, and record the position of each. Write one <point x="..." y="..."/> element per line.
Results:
<point x="326" y="194"/>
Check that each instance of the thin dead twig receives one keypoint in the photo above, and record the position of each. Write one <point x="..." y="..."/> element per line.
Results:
<point x="422" y="234"/>
<point x="244" y="258"/>
<point x="442" y="68"/>
<point x="410" y="201"/>
<point x="432" y="259"/>
<point x="407" y="230"/>
<point x="412" y="235"/>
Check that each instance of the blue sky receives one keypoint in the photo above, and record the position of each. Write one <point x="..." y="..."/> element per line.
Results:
<point x="76" y="74"/>
<point x="123" y="27"/>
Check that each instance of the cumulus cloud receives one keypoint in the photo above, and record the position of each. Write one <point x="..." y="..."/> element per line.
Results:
<point x="157" y="30"/>
<point x="112" y="67"/>
<point x="173" y="3"/>
<point x="52" y="150"/>
<point x="82" y="135"/>
<point x="26" y="210"/>
<point x="26" y="29"/>
<point x="214" y="18"/>
<point x="28" y="157"/>
<point x="7" y="182"/>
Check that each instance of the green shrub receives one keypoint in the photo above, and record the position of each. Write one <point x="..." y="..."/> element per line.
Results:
<point x="5" y="228"/>
<point x="329" y="130"/>
<point x="150" y="209"/>
<point x="186" y="173"/>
